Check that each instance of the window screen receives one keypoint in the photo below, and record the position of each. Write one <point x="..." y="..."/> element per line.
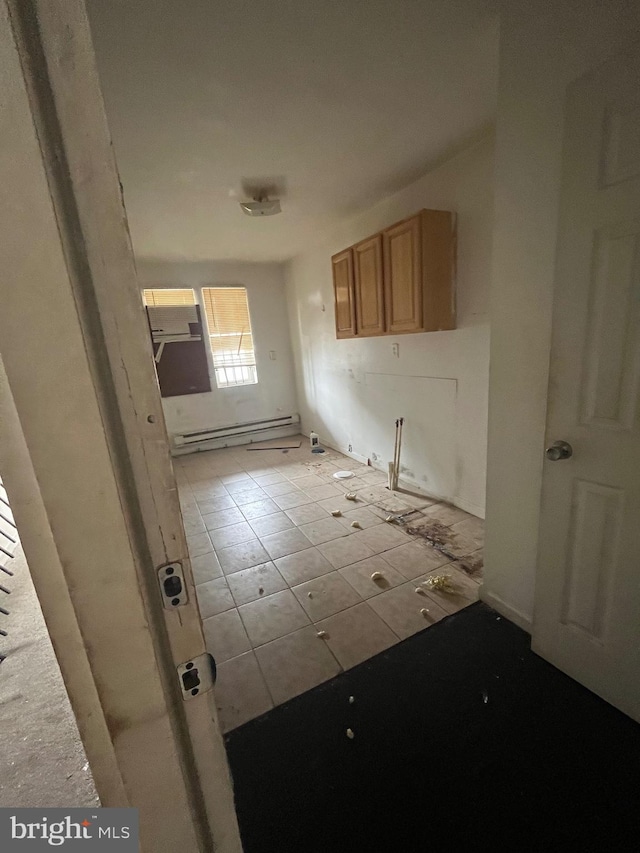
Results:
<point x="230" y="336"/>
<point x="169" y="296"/>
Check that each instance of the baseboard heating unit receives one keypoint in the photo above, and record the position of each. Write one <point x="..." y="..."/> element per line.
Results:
<point x="210" y="439"/>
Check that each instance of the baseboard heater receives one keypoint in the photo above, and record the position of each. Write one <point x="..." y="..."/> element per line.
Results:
<point x="208" y="439"/>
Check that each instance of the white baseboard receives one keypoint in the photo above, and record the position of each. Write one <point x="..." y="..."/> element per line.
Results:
<point x="507" y="610"/>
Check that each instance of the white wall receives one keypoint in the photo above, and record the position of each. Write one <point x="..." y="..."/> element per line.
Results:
<point x="274" y="395"/>
<point x="351" y="391"/>
<point x="544" y="45"/>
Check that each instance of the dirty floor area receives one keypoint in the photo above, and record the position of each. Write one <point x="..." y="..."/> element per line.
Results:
<point x="461" y="739"/>
<point x="297" y="583"/>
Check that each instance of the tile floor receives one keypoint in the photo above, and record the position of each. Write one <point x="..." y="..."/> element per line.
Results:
<point x="285" y="588"/>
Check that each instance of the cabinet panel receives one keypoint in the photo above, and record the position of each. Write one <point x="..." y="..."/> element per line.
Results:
<point x="403" y="276"/>
<point x="438" y="269"/>
<point x="344" y="294"/>
<point x="367" y="260"/>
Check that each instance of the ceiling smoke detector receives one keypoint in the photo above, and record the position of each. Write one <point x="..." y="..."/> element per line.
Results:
<point x="261" y="206"/>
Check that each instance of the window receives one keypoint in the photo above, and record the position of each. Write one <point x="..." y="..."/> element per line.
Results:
<point x="169" y="296"/>
<point x="230" y="336"/>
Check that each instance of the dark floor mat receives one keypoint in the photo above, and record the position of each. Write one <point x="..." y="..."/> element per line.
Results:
<point x="463" y="740"/>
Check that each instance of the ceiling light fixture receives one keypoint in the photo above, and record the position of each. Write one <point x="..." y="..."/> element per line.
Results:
<point x="261" y="206"/>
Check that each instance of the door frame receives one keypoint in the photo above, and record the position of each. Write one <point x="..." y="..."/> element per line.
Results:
<point x="62" y="185"/>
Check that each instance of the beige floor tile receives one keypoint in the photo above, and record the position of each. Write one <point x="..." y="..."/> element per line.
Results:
<point x="472" y="527"/>
<point x="269" y="479"/>
<point x="356" y="634"/>
<point x="214" y="597"/>
<point x="296" y="663"/>
<point x="193" y="524"/>
<point x="222" y="518"/>
<point x="258" y="509"/>
<point x="303" y="566"/>
<point x="283" y="488"/>
<point x="341" y="503"/>
<point x="259" y="581"/>
<point x="271" y="524"/>
<point x="242" y="556"/>
<point x="251" y="496"/>
<point x="306" y="513"/>
<point x="447" y="513"/>
<point x="309" y="482"/>
<point x="328" y="490"/>
<point x="285" y="542"/>
<point x="293" y="470"/>
<point x="343" y="552"/>
<point x="198" y="545"/>
<point x="415" y="559"/>
<point x="215" y="504"/>
<point x="383" y="537"/>
<point x="325" y="596"/>
<point x="363" y="515"/>
<point x="359" y="576"/>
<point x="466" y="590"/>
<point x="225" y="636"/>
<point x="232" y="535"/>
<point x="271" y="617"/>
<point x="324" y="530"/>
<point x="210" y="491"/>
<point x="206" y="567"/>
<point x="240" y="692"/>
<point x="292" y="499"/>
<point x="235" y="477"/>
<point x="401" y="608"/>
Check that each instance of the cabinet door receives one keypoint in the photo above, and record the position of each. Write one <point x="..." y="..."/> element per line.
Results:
<point x="403" y="276"/>
<point x="344" y="295"/>
<point x="367" y="262"/>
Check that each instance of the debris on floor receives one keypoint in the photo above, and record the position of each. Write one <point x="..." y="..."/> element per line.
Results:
<point x="343" y="475"/>
<point x="471" y="565"/>
<point x="351" y="496"/>
<point x="443" y="539"/>
<point x="275" y="445"/>
<point x="485" y="697"/>
<point x="350" y="734"/>
<point x="323" y="635"/>
<point x="356" y="524"/>
<point x="351" y="700"/>
<point x="420" y="591"/>
<point x="443" y="583"/>
<point x="401" y="519"/>
<point x="425" y="612"/>
<point x="377" y="576"/>
<point x="336" y="513"/>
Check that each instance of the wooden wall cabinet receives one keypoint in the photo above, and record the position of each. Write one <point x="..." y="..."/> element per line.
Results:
<point x="344" y="294"/>
<point x="369" y="290"/>
<point x="400" y="280"/>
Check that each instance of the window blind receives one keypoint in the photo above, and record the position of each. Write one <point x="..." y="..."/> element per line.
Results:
<point x="169" y="296"/>
<point x="230" y="335"/>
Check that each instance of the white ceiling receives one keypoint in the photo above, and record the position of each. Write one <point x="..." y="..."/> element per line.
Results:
<point x="342" y="102"/>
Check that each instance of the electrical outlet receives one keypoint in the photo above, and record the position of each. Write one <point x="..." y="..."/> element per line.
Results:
<point x="395" y="350"/>
<point x="350" y="448"/>
<point x="272" y="355"/>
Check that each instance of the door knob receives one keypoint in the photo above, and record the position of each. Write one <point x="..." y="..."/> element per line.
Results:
<point x="559" y="450"/>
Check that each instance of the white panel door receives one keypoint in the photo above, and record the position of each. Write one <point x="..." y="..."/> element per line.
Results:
<point x="587" y="609"/>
